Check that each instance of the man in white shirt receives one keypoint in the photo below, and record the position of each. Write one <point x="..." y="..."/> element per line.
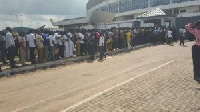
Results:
<point x="61" y="46"/>
<point x="32" y="45"/>
<point x="169" y="36"/>
<point x="182" y="36"/>
<point x="82" y="47"/>
<point x="101" y="45"/>
<point x="10" y="46"/>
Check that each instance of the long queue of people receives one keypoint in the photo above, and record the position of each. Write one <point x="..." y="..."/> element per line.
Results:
<point x="41" y="46"/>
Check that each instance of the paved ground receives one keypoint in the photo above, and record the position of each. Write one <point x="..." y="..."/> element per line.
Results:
<point x="167" y="89"/>
<point x="158" y="78"/>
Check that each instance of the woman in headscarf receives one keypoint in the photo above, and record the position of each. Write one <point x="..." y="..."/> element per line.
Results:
<point x="66" y="43"/>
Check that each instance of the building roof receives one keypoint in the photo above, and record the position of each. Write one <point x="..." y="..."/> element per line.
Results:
<point x="94" y="17"/>
<point x="153" y="13"/>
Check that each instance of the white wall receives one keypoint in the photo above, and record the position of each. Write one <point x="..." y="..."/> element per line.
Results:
<point x="111" y="25"/>
<point x="125" y="25"/>
<point x="190" y="9"/>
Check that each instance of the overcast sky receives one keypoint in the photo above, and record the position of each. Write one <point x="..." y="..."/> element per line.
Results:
<point x="35" y="13"/>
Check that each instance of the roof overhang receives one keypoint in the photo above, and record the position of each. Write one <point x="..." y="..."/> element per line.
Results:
<point x="70" y="22"/>
<point x="152" y="13"/>
<point x="94" y="17"/>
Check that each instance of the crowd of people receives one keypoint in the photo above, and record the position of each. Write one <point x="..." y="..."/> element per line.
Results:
<point x="39" y="46"/>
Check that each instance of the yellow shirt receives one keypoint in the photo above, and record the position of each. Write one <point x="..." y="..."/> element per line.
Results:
<point x="128" y="36"/>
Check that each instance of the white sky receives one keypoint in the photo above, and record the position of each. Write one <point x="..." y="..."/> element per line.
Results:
<point x="36" y="13"/>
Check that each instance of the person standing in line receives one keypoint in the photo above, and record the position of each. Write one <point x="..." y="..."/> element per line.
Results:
<point x="78" y="39"/>
<point x="15" y="36"/>
<point x="169" y="36"/>
<point x="115" y="38"/>
<point x="86" y="36"/>
<point x="128" y="38"/>
<point x="66" y="43"/>
<point x="46" y="46"/>
<point x="3" y="47"/>
<point x="121" y="38"/>
<point x="182" y="36"/>
<point x="52" y="46"/>
<point x="40" y="46"/>
<point x="71" y="45"/>
<point x="82" y="45"/>
<point x="109" y="41"/>
<point x="194" y="28"/>
<point x="101" y="45"/>
<point x="23" y="50"/>
<point x="56" y="36"/>
<point x="61" y="46"/>
<point x="32" y="45"/>
<point x="92" y="45"/>
<point x="10" y="46"/>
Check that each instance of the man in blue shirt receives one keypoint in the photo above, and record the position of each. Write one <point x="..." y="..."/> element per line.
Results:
<point x="46" y="45"/>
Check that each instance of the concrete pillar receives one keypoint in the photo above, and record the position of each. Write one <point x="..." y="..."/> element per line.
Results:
<point x="118" y="25"/>
<point x="141" y="23"/>
<point x="118" y="5"/>
<point x="105" y="25"/>
<point x="162" y="22"/>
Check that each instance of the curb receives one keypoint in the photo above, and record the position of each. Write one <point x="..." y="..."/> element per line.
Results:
<point x="63" y="61"/>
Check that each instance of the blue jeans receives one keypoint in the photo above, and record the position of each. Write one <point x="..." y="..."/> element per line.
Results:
<point x="32" y="54"/>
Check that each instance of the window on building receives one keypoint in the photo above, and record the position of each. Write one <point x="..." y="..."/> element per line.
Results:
<point x="182" y="11"/>
<point x="105" y="8"/>
<point x="125" y="5"/>
<point x="179" y="1"/>
<point x="113" y="7"/>
<point x="139" y="4"/>
<point x="176" y="11"/>
<point x="154" y="3"/>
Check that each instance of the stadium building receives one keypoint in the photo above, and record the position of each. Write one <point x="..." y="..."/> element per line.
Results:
<point x="135" y="13"/>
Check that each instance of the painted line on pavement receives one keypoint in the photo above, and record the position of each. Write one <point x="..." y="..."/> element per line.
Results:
<point x="57" y="96"/>
<point x="118" y="85"/>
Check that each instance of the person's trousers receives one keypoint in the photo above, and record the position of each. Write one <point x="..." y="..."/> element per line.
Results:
<point x="77" y="49"/>
<point x="52" y="52"/>
<point x="182" y="41"/>
<point x="61" y="51"/>
<point x="40" y="55"/>
<point x="129" y="45"/>
<point x="196" y="62"/>
<point x="3" y="55"/>
<point x="115" y="44"/>
<point x="23" y="56"/>
<point x="101" y="51"/>
<point x="11" y="53"/>
<point x="82" y="48"/>
<point x="32" y="54"/>
<point x="46" y="52"/>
